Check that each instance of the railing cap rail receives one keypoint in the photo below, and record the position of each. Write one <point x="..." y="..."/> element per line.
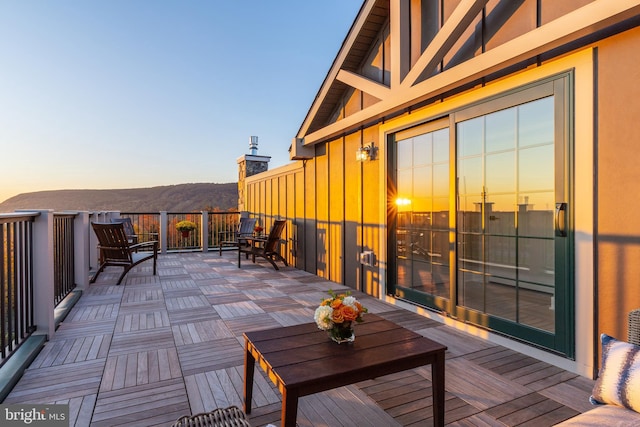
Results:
<point x="18" y="216"/>
<point x="66" y="213"/>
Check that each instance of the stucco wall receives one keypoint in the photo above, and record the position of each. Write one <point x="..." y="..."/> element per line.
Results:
<point x="618" y="187"/>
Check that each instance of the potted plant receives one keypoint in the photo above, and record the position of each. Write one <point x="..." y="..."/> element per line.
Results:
<point x="185" y="227"/>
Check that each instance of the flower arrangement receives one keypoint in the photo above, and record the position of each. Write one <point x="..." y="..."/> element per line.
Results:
<point x="337" y="314"/>
<point x="185" y="226"/>
<point x="258" y="229"/>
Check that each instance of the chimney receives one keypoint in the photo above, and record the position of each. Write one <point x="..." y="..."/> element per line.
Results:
<point x="248" y="165"/>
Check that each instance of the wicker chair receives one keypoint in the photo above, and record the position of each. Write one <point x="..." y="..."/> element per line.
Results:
<point x="227" y="417"/>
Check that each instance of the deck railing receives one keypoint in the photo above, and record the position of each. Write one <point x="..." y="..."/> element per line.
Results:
<point x="46" y="256"/>
<point x="16" y="282"/>
<point x="211" y="228"/>
<point x="63" y="255"/>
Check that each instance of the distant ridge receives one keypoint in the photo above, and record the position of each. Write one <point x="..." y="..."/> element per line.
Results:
<point x="171" y="198"/>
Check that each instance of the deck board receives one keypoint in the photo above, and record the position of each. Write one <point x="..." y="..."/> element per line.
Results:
<point x="158" y="347"/>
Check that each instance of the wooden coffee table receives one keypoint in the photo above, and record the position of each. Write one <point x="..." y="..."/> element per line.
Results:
<point x="302" y="360"/>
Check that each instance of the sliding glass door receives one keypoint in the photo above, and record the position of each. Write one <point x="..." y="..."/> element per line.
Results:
<point x="480" y="225"/>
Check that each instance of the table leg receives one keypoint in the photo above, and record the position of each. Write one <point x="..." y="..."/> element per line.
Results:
<point x="249" y="365"/>
<point x="437" y="383"/>
<point x="289" y="409"/>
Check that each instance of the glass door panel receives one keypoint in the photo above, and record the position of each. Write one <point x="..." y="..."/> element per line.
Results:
<point x="506" y="252"/>
<point x="422" y="211"/>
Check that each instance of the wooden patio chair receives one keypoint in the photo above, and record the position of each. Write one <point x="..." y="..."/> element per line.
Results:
<point x="128" y="229"/>
<point x="245" y="229"/>
<point x="267" y="248"/>
<point x="115" y="249"/>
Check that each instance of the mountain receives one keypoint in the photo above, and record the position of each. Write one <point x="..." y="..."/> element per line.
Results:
<point x="171" y="198"/>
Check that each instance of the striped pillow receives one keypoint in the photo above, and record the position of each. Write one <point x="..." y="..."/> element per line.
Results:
<point x="618" y="381"/>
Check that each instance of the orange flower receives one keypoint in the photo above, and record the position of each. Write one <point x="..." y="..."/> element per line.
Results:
<point x="359" y="307"/>
<point x="349" y="313"/>
<point x="336" y="303"/>
<point x="338" y="315"/>
<point x="326" y="302"/>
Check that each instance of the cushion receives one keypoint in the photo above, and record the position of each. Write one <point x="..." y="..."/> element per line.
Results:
<point x="618" y="381"/>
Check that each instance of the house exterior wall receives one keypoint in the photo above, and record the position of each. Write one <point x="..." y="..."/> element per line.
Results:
<point x="618" y="228"/>
<point x="341" y="205"/>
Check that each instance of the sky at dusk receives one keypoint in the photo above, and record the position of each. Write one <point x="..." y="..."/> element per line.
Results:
<point x="138" y="93"/>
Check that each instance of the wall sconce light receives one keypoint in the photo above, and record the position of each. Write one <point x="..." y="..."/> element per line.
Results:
<point x="367" y="152"/>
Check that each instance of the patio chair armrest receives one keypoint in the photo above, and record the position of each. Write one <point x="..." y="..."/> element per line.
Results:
<point x="151" y="243"/>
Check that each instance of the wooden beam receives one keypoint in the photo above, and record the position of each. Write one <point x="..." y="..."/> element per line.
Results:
<point x="458" y="22"/>
<point x="400" y="34"/>
<point x="364" y="84"/>
<point x="586" y="20"/>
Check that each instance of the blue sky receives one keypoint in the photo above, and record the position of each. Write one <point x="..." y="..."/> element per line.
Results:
<point x="138" y="93"/>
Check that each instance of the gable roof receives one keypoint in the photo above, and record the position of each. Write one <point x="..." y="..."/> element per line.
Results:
<point x="372" y="16"/>
<point x="403" y="93"/>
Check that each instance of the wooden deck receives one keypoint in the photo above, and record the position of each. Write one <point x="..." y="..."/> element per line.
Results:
<point x="155" y="348"/>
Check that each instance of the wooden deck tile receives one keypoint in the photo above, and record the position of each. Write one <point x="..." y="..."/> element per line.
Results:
<point x="144" y="367"/>
<point x="458" y="343"/>
<point x="222" y="388"/>
<point x="342" y="406"/>
<point x="186" y="303"/>
<point x="210" y="355"/>
<point x="272" y="305"/>
<point x="471" y="383"/>
<point x="187" y="283"/>
<point x="146" y="405"/>
<point x="197" y="332"/>
<point x="72" y="351"/>
<point x="238" y="309"/>
<point x="251" y="323"/>
<point x="129" y="322"/>
<point x="50" y="384"/>
<point x="532" y="408"/>
<point x="132" y="342"/>
<point x="294" y="316"/>
<point x="409" y="320"/>
<point x="73" y="329"/>
<point x="177" y="317"/>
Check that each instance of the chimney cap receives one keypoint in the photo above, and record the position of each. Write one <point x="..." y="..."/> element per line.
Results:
<point x="253" y="145"/>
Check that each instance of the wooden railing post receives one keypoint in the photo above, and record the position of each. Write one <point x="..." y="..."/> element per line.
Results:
<point x="163" y="232"/>
<point x="43" y="272"/>
<point x="81" y="247"/>
<point x="93" y="242"/>
<point x="204" y="232"/>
